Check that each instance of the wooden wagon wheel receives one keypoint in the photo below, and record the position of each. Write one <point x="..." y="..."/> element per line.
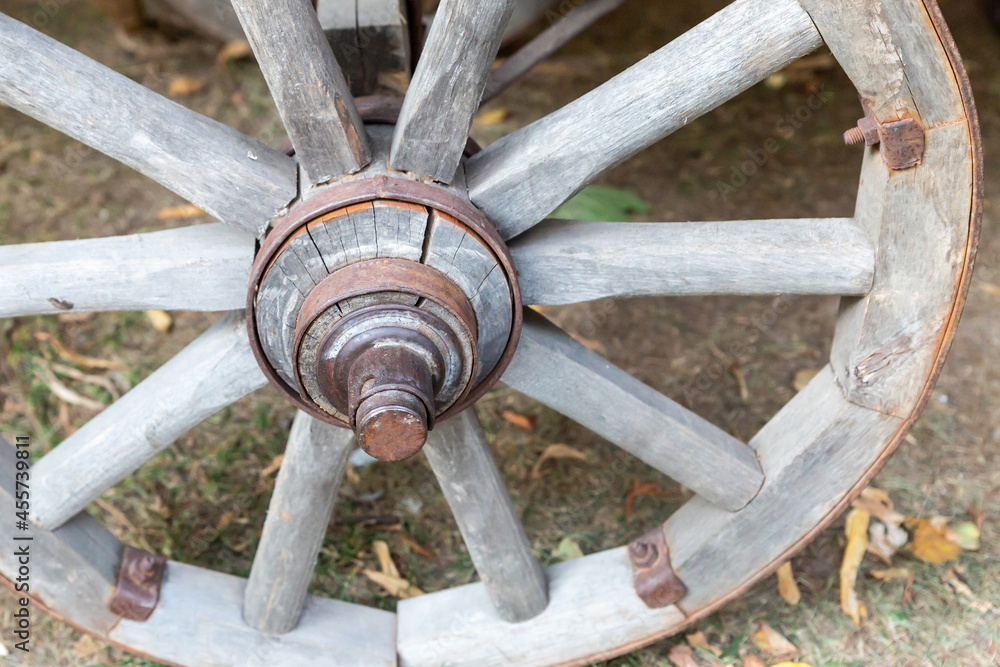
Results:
<point x="384" y="296"/>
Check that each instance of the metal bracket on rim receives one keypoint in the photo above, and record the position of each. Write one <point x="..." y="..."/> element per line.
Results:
<point x="901" y="142"/>
<point x="653" y="575"/>
<point x="138" y="589"/>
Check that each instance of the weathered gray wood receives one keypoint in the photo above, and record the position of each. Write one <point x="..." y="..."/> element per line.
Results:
<point x="546" y="43"/>
<point x="813" y="451"/>
<point x="524" y="176"/>
<point x="886" y="343"/>
<point x="891" y="53"/>
<point x="554" y="369"/>
<point x="72" y="570"/>
<point x="567" y="262"/>
<point x="203" y="609"/>
<point x="307" y="85"/>
<point x="447" y="86"/>
<point x="203" y="267"/>
<point x="371" y="41"/>
<point x="214" y="371"/>
<point x="229" y="175"/>
<point x="304" y="493"/>
<point x="466" y="260"/>
<point x="593" y="612"/>
<point x="486" y="516"/>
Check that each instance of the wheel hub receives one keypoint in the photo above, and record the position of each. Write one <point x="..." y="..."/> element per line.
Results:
<point x="384" y="305"/>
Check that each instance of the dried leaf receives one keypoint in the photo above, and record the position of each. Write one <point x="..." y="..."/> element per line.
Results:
<point x="884" y="540"/>
<point x="791" y="664"/>
<point x="183" y="212"/>
<point x="642" y="489"/>
<point x="977" y="516"/>
<point x="520" y="421"/>
<point x="64" y="393"/>
<point x="273" y="466"/>
<point x="96" y="380"/>
<point x="160" y="319"/>
<point x="753" y="661"/>
<point x="234" y="50"/>
<point x="877" y="503"/>
<point x="352" y="475"/>
<point x="772" y="643"/>
<point x="385" y="558"/>
<point x="931" y="542"/>
<point x="956" y="585"/>
<point x="416" y="546"/>
<point x="893" y="574"/>
<point x="803" y="377"/>
<point x="492" y="117"/>
<point x="74" y="358"/>
<point x="989" y="288"/>
<point x="557" y="452"/>
<point x="698" y="640"/>
<point x="568" y="549"/>
<point x="86" y="647"/>
<point x="180" y="86"/>
<point x="682" y="656"/>
<point x="394" y="586"/>
<point x="588" y="343"/>
<point x="787" y="588"/>
<point x="857" y="544"/>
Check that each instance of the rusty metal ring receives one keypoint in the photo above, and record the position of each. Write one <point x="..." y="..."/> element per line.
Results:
<point x="369" y="189"/>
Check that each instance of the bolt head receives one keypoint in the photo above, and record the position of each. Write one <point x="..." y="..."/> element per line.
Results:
<point x="391" y="425"/>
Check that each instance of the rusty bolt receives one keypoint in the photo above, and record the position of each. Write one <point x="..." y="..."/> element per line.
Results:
<point x="866" y="132"/>
<point x="643" y="553"/>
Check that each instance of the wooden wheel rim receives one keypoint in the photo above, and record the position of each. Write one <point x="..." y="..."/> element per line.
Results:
<point x="601" y="582"/>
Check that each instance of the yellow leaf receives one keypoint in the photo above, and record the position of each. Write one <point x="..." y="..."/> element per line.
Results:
<point x="698" y="640"/>
<point x="803" y="377"/>
<point x="233" y="51"/>
<point x="857" y="544"/>
<point x="394" y="586"/>
<point x="772" y="643"/>
<point x="893" y="573"/>
<point x="520" y="421"/>
<point x="568" y="549"/>
<point x="86" y="647"/>
<point x="930" y="542"/>
<point x="184" y="85"/>
<point x="385" y="558"/>
<point x="682" y="656"/>
<point x="160" y="319"/>
<point x="787" y="588"/>
<point x="183" y="212"/>
<point x="557" y="452"/>
<point x="492" y="117"/>
<point x="273" y="466"/>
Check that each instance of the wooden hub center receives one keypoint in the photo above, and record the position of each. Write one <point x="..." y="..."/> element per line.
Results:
<point x="386" y="314"/>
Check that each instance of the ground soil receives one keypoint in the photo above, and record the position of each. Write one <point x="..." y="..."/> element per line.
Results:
<point x="203" y="500"/>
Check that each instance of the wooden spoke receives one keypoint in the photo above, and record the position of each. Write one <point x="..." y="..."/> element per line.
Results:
<point x="524" y="176"/>
<point x="203" y="267"/>
<point x="545" y="44"/>
<point x="475" y="491"/>
<point x="308" y="86"/>
<point x="444" y="95"/>
<point x="554" y="369"/>
<point x="215" y="370"/>
<point x="304" y="494"/>
<point x="231" y="176"/>
<point x="567" y="262"/>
